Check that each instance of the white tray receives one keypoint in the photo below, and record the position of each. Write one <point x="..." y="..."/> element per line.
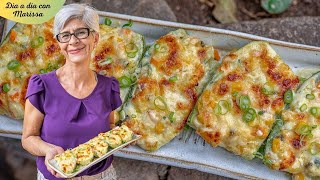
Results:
<point x="53" y="164"/>
<point x="194" y="153"/>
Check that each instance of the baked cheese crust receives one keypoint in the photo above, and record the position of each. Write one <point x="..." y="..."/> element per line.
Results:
<point x="124" y="132"/>
<point x="66" y="161"/>
<point x="175" y="69"/>
<point x="84" y="154"/>
<point x="236" y="110"/>
<point x="27" y="50"/>
<point x="118" y="54"/>
<point x="113" y="140"/>
<point x="100" y="147"/>
<point x="296" y="148"/>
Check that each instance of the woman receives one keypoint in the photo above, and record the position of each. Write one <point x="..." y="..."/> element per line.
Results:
<point x="71" y="105"/>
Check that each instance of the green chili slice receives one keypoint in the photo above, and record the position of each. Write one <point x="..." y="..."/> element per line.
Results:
<point x="107" y="21"/>
<point x="314" y="111"/>
<point x="129" y="24"/>
<point x="249" y="115"/>
<point x="223" y="107"/>
<point x="305" y="130"/>
<point x="6" y="87"/>
<point x="303" y="107"/>
<point x="310" y="96"/>
<point x="244" y="102"/>
<point x="131" y="48"/>
<point x="161" y="47"/>
<point x="131" y="55"/>
<point x="288" y="96"/>
<point x="37" y="41"/>
<point x="261" y="113"/>
<point x="125" y="81"/>
<point x="13" y="64"/>
<point x="268" y="89"/>
<point x="160" y="103"/>
<point x="156" y="46"/>
<point x="170" y="117"/>
<point x="105" y="62"/>
<point x="133" y="116"/>
<point x="314" y="148"/>
<point x="173" y="79"/>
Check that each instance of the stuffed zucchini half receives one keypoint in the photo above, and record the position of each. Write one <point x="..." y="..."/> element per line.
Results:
<point x="174" y="71"/>
<point x="295" y="146"/>
<point x="237" y="109"/>
<point x="118" y="54"/>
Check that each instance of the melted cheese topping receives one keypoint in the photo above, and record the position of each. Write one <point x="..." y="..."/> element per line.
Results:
<point x="113" y="140"/>
<point x="243" y="73"/>
<point x="171" y="79"/>
<point x="124" y="132"/>
<point x="66" y="161"/>
<point x="118" y="54"/>
<point x="297" y="147"/>
<point x="84" y="154"/>
<point x="100" y="147"/>
<point x="32" y="58"/>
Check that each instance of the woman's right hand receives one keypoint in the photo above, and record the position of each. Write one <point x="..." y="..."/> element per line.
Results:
<point x="54" y="150"/>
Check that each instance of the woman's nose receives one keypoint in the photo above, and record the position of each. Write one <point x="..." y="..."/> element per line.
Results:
<point x="73" y="40"/>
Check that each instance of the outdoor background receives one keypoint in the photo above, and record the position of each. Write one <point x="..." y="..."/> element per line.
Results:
<point x="300" y="23"/>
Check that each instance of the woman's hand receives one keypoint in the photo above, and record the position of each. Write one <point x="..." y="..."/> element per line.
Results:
<point x="50" y="155"/>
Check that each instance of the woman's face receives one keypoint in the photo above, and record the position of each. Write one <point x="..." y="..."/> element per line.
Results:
<point x="78" y="50"/>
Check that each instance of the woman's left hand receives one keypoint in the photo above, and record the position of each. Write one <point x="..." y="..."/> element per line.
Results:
<point x="50" y="155"/>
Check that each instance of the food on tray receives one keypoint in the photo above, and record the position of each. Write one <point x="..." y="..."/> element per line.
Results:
<point x="124" y="133"/>
<point x="72" y="160"/>
<point x="174" y="71"/>
<point x="84" y="154"/>
<point x="113" y="140"/>
<point x="32" y="49"/>
<point x="66" y="161"/>
<point x="100" y="147"/>
<point x="294" y="146"/>
<point x="237" y="109"/>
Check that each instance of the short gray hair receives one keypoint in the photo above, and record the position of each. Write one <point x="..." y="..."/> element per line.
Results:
<point x="83" y="12"/>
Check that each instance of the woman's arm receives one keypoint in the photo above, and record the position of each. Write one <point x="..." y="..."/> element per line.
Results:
<point x="31" y="140"/>
<point x="32" y="123"/>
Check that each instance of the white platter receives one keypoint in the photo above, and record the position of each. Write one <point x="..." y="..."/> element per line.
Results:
<point x="194" y="153"/>
<point x="53" y="164"/>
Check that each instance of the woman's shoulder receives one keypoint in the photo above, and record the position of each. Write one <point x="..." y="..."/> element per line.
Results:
<point x="41" y="79"/>
<point x="109" y="81"/>
<point x="106" y="79"/>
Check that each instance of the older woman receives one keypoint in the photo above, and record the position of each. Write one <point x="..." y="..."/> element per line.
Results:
<point x="71" y="105"/>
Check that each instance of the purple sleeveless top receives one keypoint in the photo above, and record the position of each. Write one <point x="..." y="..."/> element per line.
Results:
<point x="70" y="121"/>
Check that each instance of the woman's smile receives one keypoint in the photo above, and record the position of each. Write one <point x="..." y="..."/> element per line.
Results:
<point x="75" y="51"/>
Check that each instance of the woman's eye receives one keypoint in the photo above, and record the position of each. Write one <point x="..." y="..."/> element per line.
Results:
<point x="65" y="36"/>
<point x="81" y="33"/>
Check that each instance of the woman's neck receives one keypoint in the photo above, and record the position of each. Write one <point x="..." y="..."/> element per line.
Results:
<point x="76" y="76"/>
